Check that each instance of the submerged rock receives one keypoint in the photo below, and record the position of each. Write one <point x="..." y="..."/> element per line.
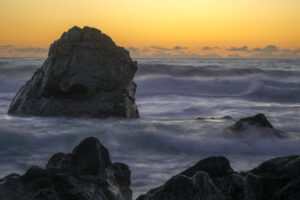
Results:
<point x="86" y="173"/>
<point x="215" y="118"/>
<point x="85" y="74"/>
<point x="256" y="125"/>
<point x="214" y="179"/>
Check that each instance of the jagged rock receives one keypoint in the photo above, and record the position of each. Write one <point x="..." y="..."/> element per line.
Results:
<point x="179" y="187"/>
<point x="275" y="179"/>
<point x="281" y="166"/>
<point x="85" y="74"/>
<point x="86" y="173"/>
<point x="257" y="125"/>
<point x="214" y="166"/>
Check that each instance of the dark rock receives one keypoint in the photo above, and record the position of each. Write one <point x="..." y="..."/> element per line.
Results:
<point x="214" y="166"/>
<point x="275" y="179"/>
<point x="85" y="74"/>
<point x="263" y="187"/>
<point x="215" y="118"/>
<point x="232" y="185"/>
<point x="179" y="187"/>
<point x="256" y="125"/>
<point x="281" y="166"/>
<point x="86" y="173"/>
<point x="289" y="192"/>
<point x="90" y="157"/>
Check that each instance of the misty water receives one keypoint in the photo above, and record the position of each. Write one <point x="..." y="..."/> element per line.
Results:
<point x="167" y="138"/>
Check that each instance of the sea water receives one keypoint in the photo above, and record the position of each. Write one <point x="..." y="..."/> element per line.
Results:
<point x="168" y="138"/>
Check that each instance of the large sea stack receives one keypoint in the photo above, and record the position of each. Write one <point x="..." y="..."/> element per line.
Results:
<point x="85" y="74"/>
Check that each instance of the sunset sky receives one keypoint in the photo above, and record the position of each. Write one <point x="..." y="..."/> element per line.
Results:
<point x="158" y="28"/>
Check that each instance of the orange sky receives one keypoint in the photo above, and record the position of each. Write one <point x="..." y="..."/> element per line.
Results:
<point x="192" y="24"/>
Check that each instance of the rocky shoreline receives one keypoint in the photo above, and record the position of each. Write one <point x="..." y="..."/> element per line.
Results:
<point x="88" y="173"/>
<point x="213" y="178"/>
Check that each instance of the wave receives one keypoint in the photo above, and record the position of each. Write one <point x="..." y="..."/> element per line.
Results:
<point x="154" y="150"/>
<point x="255" y="80"/>
<point x="247" y="88"/>
<point x="210" y="71"/>
<point x="17" y="68"/>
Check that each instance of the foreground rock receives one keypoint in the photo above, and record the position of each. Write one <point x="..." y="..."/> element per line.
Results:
<point x="85" y="74"/>
<point x="214" y="179"/>
<point x="257" y="125"/>
<point x="87" y="173"/>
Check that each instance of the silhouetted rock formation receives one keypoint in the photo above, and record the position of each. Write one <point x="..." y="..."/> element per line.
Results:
<point x="85" y="74"/>
<point x="255" y="125"/>
<point x="86" y="173"/>
<point x="214" y="179"/>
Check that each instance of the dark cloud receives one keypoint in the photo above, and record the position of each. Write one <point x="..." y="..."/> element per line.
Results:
<point x="243" y="48"/>
<point x="176" y="48"/>
<point x="272" y="51"/>
<point x="161" y="52"/>
<point x="183" y="55"/>
<point x="179" y="48"/>
<point x="207" y="48"/>
<point x="268" y="49"/>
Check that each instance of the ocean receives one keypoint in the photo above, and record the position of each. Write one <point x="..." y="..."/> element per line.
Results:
<point x="168" y="138"/>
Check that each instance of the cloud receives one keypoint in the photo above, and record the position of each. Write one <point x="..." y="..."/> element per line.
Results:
<point x="134" y="52"/>
<point x="207" y="48"/>
<point x="179" y="48"/>
<point x="13" y="51"/>
<point x="272" y="51"/>
<point x="268" y="49"/>
<point x="243" y="48"/>
<point x="183" y="55"/>
<point x="175" y="48"/>
<point x="156" y="51"/>
<point x="137" y="52"/>
<point x="36" y="50"/>
<point x="161" y="52"/>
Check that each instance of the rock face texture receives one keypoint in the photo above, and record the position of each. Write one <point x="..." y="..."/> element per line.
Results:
<point x="87" y="173"/>
<point x="214" y="179"/>
<point x="256" y="125"/>
<point x="85" y="74"/>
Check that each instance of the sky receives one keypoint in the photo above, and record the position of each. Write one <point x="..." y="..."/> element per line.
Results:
<point x="158" y="28"/>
